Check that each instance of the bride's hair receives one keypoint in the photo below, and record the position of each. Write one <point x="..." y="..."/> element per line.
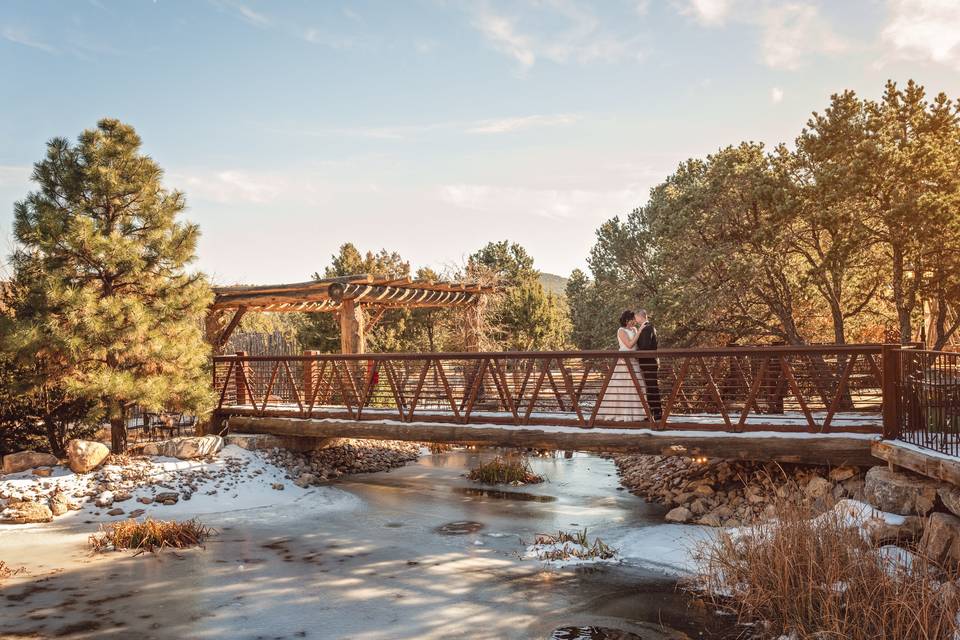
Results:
<point x="626" y="317"/>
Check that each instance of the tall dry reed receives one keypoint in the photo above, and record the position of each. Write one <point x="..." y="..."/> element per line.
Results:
<point x="818" y="578"/>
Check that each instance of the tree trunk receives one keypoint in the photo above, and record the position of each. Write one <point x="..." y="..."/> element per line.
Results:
<point x="118" y="434"/>
<point x="56" y="433"/>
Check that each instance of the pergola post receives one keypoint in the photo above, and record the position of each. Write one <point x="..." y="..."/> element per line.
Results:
<point x="241" y="379"/>
<point x="472" y="318"/>
<point x="352" y="335"/>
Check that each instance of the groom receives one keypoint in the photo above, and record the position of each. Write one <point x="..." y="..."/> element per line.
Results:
<point x="647" y="341"/>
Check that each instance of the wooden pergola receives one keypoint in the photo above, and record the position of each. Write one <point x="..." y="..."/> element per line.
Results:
<point x="351" y="297"/>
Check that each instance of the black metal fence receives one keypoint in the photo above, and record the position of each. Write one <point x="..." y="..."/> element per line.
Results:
<point x="929" y="408"/>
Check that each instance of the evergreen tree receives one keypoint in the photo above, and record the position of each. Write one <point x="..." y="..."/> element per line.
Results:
<point x="108" y="304"/>
<point x="525" y="316"/>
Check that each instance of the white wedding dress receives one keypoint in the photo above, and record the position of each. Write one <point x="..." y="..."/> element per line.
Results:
<point x="621" y="400"/>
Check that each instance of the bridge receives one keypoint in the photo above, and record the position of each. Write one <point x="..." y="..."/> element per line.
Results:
<point x="810" y="404"/>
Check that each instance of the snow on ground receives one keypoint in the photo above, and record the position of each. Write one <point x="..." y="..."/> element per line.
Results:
<point x="235" y="480"/>
<point x="664" y="547"/>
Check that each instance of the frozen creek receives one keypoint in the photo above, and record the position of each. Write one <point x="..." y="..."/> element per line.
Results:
<point x="376" y="556"/>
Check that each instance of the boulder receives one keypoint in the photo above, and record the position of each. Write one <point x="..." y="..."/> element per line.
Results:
<point x="818" y="487"/>
<point x="42" y="472"/>
<point x="941" y="538"/>
<point x="105" y="499"/>
<point x="881" y="532"/>
<point x="60" y="503"/>
<point x="26" y="513"/>
<point x="901" y="493"/>
<point x="950" y="496"/>
<point x="185" y="448"/>
<point x="167" y="498"/>
<point x="839" y="474"/>
<point x="85" y="456"/>
<point x="680" y="514"/>
<point x="23" y="460"/>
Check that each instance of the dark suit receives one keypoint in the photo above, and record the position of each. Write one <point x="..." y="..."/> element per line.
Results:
<point x="647" y="341"/>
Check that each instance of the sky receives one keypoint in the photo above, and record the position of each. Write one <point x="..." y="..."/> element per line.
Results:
<point x="431" y="127"/>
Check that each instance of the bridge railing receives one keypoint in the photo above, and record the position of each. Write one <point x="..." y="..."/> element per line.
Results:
<point x="928" y="399"/>
<point x="814" y="389"/>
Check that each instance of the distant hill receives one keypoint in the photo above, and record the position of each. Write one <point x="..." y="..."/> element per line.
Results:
<point x="553" y="283"/>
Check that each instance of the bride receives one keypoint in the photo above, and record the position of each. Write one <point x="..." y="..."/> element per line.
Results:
<point x="621" y="400"/>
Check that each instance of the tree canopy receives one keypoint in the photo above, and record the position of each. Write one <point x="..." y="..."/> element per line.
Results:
<point x="107" y="305"/>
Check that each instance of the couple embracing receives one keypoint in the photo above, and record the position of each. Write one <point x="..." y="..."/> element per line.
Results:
<point x="622" y="400"/>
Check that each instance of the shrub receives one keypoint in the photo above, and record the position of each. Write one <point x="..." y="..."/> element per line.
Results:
<point x="804" y="577"/>
<point x="150" y="535"/>
<point x="567" y="545"/>
<point x="512" y="470"/>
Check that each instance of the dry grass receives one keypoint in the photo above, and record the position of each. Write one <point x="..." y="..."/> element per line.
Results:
<point x="6" y="570"/>
<point x="511" y="470"/>
<point x="150" y="535"/>
<point x="566" y="545"/>
<point x="439" y="447"/>
<point x="819" y="579"/>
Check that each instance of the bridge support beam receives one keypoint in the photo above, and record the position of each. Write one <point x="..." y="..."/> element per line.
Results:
<point x="827" y="449"/>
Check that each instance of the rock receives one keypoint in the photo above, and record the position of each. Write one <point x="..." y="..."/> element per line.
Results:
<point x="680" y="515"/>
<point x="23" y="460"/>
<point x="136" y="513"/>
<point x="43" y="472"/>
<point x="709" y="520"/>
<point x="26" y="513"/>
<point x="704" y="490"/>
<point x="84" y="455"/>
<point x="105" y="499"/>
<point x="817" y="487"/>
<point x="899" y="493"/>
<point x="839" y="474"/>
<point x="145" y="500"/>
<point x="167" y="498"/>
<point x="882" y="532"/>
<point x="59" y="504"/>
<point x="115" y="512"/>
<point x="941" y="538"/>
<point x="277" y="485"/>
<point x="185" y="448"/>
<point x="950" y="496"/>
<point x="305" y="480"/>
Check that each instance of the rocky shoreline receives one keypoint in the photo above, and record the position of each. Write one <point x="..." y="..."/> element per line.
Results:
<point x="349" y="456"/>
<point x="102" y="482"/>
<point x="724" y="493"/>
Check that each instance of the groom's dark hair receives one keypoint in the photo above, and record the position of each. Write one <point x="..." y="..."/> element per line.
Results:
<point x="625" y="317"/>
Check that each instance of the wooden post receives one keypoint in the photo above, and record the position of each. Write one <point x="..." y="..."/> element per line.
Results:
<point x="352" y="334"/>
<point x="471" y="323"/>
<point x="241" y="376"/>
<point x="891" y="391"/>
<point x="309" y="373"/>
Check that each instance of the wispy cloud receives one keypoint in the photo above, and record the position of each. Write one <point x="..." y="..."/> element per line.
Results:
<point x="15" y="175"/>
<point x="776" y="95"/>
<point x="490" y="126"/>
<point x="573" y="33"/>
<point x="707" y="12"/>
<point x="926" y="30"/>
<point x="21" y="37"/>
<point x="508" y="125"/>
<point x="791" y="33"/>
<point x="553" y="204"/>
<point x="244" y="11"/>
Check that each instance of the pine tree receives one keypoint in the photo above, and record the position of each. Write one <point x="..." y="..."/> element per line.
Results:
<point x="109" y="305"/>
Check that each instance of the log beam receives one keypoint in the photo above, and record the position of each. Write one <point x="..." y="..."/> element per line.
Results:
<point x="832" y="450"/>
<point x="352" y="330"/>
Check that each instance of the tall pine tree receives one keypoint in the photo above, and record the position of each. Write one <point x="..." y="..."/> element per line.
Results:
<point x="109" y="304"/>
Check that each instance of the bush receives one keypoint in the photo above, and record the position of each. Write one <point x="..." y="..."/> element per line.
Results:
<point x="804" y="577"/>
<point x="513" y="470"/>
<point x="150" y="535"/>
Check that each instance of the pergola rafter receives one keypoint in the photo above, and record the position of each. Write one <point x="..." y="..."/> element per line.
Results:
<point x="346" y="296"/>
